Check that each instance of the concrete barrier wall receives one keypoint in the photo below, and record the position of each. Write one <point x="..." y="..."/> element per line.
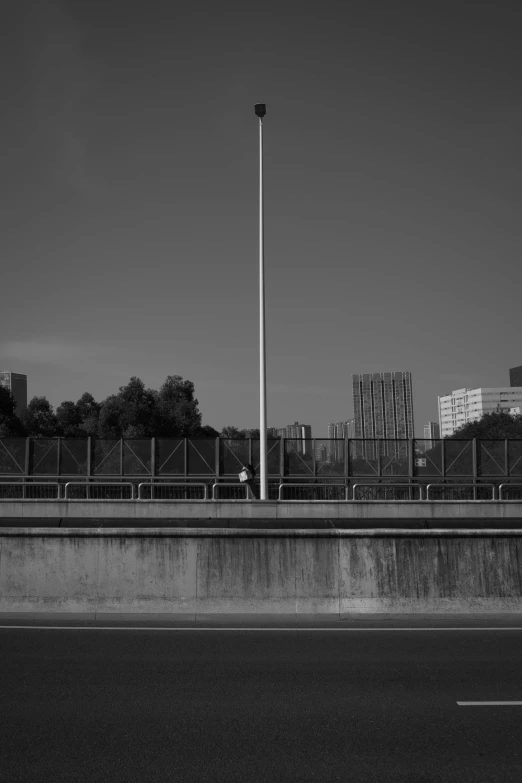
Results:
<point x="191" y="572"/>
<point x="259" y="510"/>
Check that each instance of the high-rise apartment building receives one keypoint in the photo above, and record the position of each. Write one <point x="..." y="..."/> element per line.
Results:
<point x="299" y="434"/>
<point x="431" y="433"/>
<point x="515" y="376"/>
<point x="383" y="405"/>
<point x="383" y="408"/>
<point x="17" y="385"/>
<point x="337" y="432"/>
<point x="465" y="405"/>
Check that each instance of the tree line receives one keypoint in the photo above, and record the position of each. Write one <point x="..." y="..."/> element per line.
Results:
<point x="138" y="412"/>
<point x="134" y="412"/>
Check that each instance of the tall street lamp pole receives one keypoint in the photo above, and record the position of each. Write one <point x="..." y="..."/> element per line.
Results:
<point x="260" y="110"/>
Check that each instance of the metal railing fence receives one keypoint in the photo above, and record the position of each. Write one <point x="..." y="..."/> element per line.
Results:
<point x="26" y="490"/>
<point x="510" y="492"/>
<point x="312" y="492"/>
<point x="307" y="491"/>
<point x="233" y="491"/>
<point x="460" y="491"/>
<point x="172" y="491"/>
<point x="376" y="492"/>
<point x="79" y="490"/>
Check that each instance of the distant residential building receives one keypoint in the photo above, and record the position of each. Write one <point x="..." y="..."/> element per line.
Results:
<point x="17" y="385"/>
<point x="321" y="453"/>
<point x="431" y="433"/>
<point x="515" y="376"/>
<point x="298" y="434"/>
<point x="465" y="405"/>
<point x="338" y="431"/>
<point x="383" y="408"/>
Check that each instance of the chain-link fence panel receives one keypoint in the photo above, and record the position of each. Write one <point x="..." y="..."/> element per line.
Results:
<point x="233" y="454"/>
<point x="491" y="458"/>
<point x="137" y="457"/>
<point x="201" y="455"/>
<point x="43" y="457"/>
<point x="12" y="456"/>
<point x="73" y="457"/>
<point x="170" y="457"/>
<point x="273" y="456"/>
<point x="299" y="457"/>
<point x="106" y="457"/>
<point x="329" y="456"/>
<point x="364" y="458"/>
<point x="458" y="457"/>
<point x="427" y="460"/>
<point x="514" y="458"/>
<point x="395" y="458"/>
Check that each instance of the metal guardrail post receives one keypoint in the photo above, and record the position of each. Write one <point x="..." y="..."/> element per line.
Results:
<point x="89" y="460"/>
<point x="27" y="455"/>
<point x="217" y="457"/>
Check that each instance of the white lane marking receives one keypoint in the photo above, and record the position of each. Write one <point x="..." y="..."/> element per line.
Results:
<point x="489" y="703"/>
<point x="197" y="628"/>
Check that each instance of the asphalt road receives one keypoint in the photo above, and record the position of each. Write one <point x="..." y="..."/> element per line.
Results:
<point x="115" y="704"/>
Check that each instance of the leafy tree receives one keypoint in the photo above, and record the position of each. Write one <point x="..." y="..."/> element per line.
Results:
<point x="109" y="419"/>
<point x="138" y="409"/>
<point x="235" y="433"/>
<point x="206" y="432"/>
<point x="490" y="427"/>
<point x="89" y="411"/>
<point x="39" y="419"/>
<point x="177" y="412"/>
<point x="232" y="432"/>
<point x="69" y="420"/>
<point x="129" y="414"/>
<point x="10" y="424"/>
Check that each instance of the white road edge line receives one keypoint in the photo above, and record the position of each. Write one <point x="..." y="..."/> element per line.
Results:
<point x="228" y="628"/>
<point x="489" y="703"/>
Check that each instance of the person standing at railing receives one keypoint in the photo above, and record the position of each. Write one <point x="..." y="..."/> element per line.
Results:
<point x="248" y="475"/>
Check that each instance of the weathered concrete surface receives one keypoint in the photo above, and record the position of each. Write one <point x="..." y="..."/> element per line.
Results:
<point x="431" y="574"/>
<point x="190" y="571"/>
<point x="210" y="511"/>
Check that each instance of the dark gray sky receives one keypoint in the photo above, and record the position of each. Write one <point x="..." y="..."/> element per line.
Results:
<point x="129" y="189"/>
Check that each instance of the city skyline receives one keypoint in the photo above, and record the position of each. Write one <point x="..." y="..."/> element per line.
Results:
<point x="17" y="383"/>
<point x="129" y="203"/>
